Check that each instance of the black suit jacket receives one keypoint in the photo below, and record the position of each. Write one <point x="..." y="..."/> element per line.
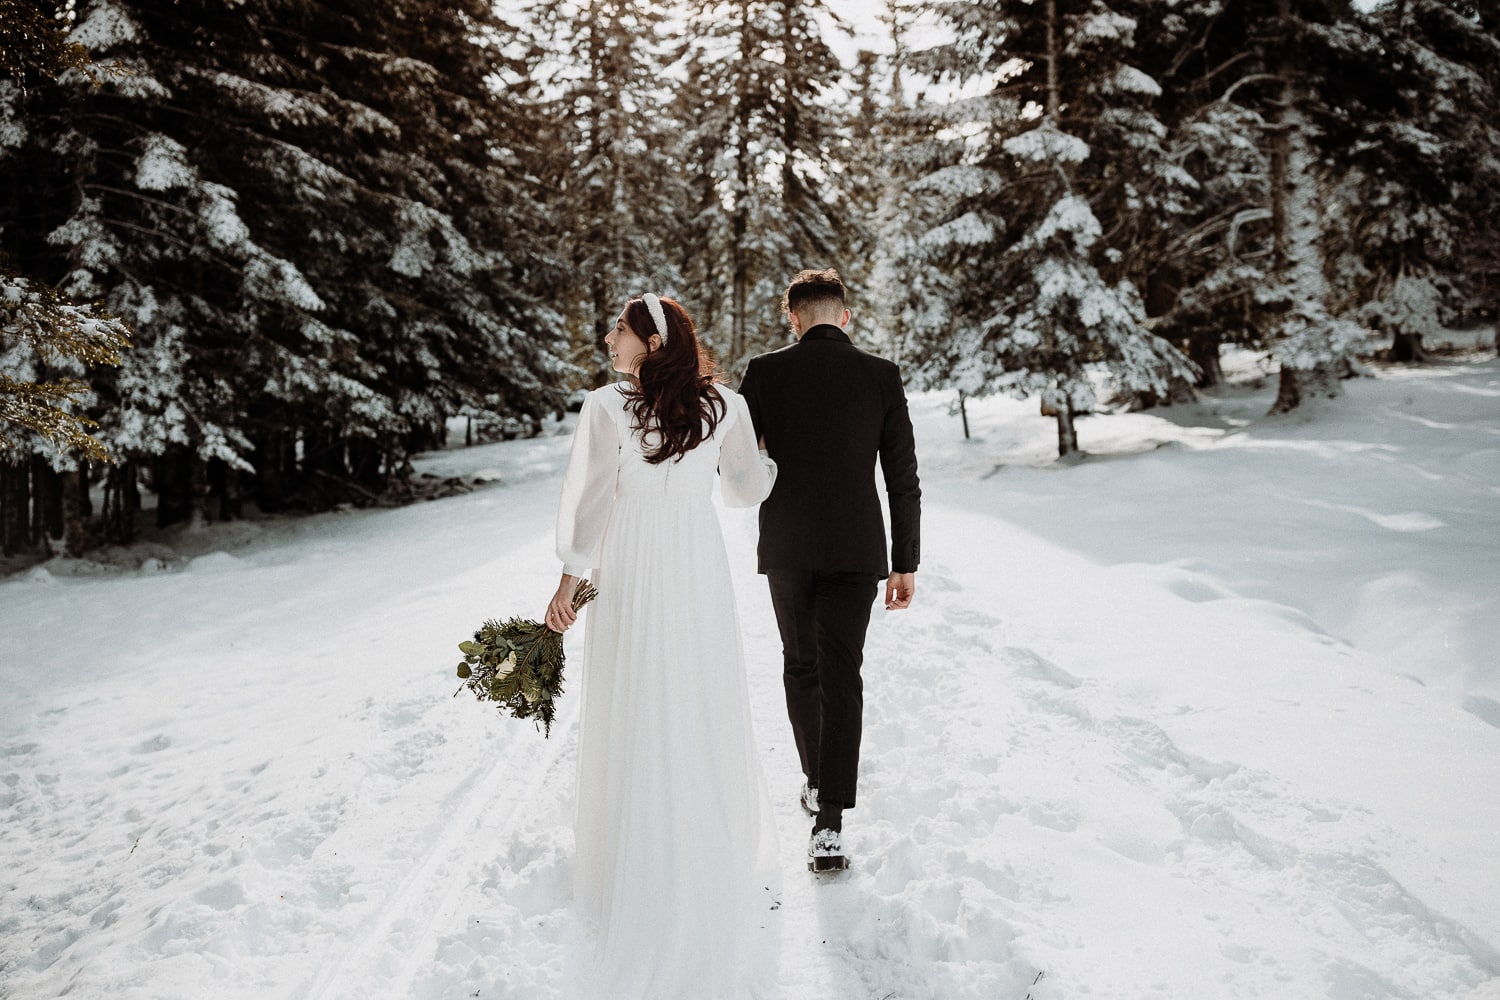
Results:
<point x="827" y="411"/>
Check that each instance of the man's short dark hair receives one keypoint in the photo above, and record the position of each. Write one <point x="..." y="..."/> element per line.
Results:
<point x="814" y="288"/>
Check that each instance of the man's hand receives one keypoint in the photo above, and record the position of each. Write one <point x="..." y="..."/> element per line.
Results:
<point x="899" y="589"/>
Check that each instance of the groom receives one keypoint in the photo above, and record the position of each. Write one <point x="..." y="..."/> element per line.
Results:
<point x="825" y="410"/>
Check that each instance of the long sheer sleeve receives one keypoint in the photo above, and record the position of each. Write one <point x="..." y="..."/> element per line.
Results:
<point x="588" y="493"/>
<point x="746" y="473"/>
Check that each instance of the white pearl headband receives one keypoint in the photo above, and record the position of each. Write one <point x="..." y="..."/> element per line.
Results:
<point x="658" y="316"/>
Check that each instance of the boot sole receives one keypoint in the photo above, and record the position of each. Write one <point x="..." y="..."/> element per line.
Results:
<point x="830" y="863"/>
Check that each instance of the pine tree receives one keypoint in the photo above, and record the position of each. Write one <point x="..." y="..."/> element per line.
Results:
<point x="1260" y="111"/>
<point x="764" y="144"/>
<point x="622" y="195"/>
<point x="887" y="153"/>
<point x="318" y="218"/>
<point x="1311" y="341"/>
<point x="48" y="344"/>
<point x="1059" y="174"/>
<point x="900" y="140"/>
<point x="1423" y="166"/>
<point x="1204" y="273"/>
<point x="35" y="46"/>
<point x="1479" y="251"/>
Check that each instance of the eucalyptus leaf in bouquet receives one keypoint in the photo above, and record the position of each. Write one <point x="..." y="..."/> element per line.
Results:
<point x="518" y="664"/>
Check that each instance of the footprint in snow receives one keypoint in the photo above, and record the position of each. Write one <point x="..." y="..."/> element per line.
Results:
<point x="400" y="716"/>
<point x="1029" y="665"/>
<point x="969" y="617"/>
<point x="937" y="579"/>
<point x="1147" y="743"/>
<point x="1198" y="591"/>
<point x="224" y="895"/>
<point x="1485" y="709"/>
<point x="155" y="744"/>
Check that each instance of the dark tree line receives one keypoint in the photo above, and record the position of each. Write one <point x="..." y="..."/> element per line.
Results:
<point x="1283" y="174"/>
<point x="327" y="227"/>
<point x="319" y="220"/>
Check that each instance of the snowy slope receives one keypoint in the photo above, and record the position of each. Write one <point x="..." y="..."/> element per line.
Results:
<point x="1211" y="714"/>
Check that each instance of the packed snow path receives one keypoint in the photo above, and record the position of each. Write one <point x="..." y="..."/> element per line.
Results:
<point x="1086" y="771"/>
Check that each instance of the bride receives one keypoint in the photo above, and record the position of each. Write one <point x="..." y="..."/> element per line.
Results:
<point x="675" y="859"/>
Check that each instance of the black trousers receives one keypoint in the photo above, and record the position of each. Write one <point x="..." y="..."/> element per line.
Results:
<point x="823" y="618"/>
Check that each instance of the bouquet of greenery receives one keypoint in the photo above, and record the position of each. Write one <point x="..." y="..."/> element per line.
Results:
<point x="518" y="663"/>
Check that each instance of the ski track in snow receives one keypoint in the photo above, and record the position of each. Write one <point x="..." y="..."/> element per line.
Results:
<point x="398" y="940"/>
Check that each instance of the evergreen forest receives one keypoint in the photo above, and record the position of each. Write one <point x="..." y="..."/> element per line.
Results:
<point x="260" y="253"/>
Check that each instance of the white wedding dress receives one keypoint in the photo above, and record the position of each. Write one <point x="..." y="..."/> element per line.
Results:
<point x="676" y="852"/>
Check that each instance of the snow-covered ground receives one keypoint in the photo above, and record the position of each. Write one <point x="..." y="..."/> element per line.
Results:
<point x="1213" y="713"/>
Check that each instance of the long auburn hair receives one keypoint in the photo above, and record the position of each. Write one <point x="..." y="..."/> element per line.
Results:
<point x="674" y="394"/>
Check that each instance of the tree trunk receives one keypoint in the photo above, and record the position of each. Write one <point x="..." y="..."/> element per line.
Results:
<point x="174" y="489"/>
<point x="1067" y="434"/>
<point x="324" y="450"/>
<point x="85" y="482"/>
<point x="1297" y="385"/>
<point x="1204" y="348"/>
<point x="74" y="489"/>
<point x="365" y="460"/>
<point x="1298" y="260"/>
<point x="224" y="482"/>
<point x="1281" y="144"/>
<point x="1054" y="87"/>
<point x="15" y="506"/>
<point x="1163" y="285"/>
<point x="791" y="138"/>
<point x="1408" y="347"/>
<point x="1288" y="392"/>
<point x="604" y="321"/>
<point x="737" y="334"/>
<point x="47" y="506"/>
<point x="271" y="470"/>
<point x="122" y="501"/>
<point x="740" y="222"/>
<point x="197" y="481"/>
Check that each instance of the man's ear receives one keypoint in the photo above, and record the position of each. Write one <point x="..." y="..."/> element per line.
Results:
<point x="796" y="322"/>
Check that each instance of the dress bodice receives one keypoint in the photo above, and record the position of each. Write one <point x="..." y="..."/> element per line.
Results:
<point x="687" y="475"/>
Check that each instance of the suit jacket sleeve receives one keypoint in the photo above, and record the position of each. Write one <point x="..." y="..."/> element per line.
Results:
<point x="898" y="462"/>
<point x="750" y="391"/>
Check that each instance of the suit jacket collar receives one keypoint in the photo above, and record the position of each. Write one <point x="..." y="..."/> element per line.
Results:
<point x="825" y="331"/>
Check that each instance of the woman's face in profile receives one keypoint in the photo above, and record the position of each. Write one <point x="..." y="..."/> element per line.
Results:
<point x="625" y="348"/>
